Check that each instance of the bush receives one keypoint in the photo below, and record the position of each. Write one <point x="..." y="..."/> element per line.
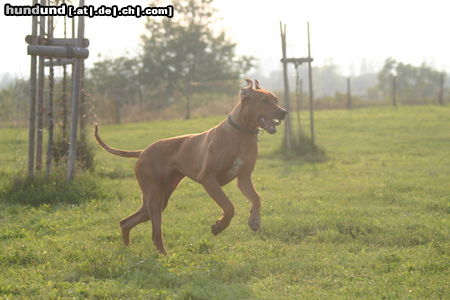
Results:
<point x="52" y="189"/>
<point x="85" y="153"/>
<point x="303" y="147"/>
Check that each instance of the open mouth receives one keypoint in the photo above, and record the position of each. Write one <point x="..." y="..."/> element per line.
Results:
<point x="269" y="125"/>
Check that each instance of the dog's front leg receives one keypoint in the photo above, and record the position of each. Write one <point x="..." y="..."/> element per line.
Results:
<point x="247" y="188"/>
<point x="215" y="191"/>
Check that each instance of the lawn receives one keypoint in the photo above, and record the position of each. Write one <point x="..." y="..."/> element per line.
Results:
<point x="372" y="221"/>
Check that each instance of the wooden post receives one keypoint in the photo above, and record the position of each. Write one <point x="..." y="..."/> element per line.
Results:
<point x="394" y="90"/>
<point x="64" y="90"/>
<point x="32" y="115"/>
<point x="58" y="51"/>
<point x="287" y="123"/>
<point x="65" y="42"/>
<point x="83" y="113"/>
<point x="300" y="93"/>
<point x="51" y="120"/>
<point x="75" y="97"/>
<point x="64" y="103"/>
<point x="299" y="96"/>
<point x="441" y="89"/>
<point x="349" y="94"/>
<point x="40" y="96"/>
<point x="311" y="95"/>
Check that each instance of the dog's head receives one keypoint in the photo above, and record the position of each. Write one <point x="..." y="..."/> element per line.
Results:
<point x="261" y="107"/>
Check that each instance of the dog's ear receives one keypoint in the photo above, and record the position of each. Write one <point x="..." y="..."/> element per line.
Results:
<point x="256" y="84"/>
<point x="245" y="92"/>
<point x="250" y="83"/>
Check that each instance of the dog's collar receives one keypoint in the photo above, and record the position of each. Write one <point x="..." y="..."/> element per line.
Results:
<point x="244" y="130"/>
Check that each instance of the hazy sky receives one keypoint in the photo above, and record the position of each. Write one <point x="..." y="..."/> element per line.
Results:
<point x="345" y="32"/>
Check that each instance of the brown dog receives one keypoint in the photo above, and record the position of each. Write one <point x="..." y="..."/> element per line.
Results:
<point x="212" y="158"/>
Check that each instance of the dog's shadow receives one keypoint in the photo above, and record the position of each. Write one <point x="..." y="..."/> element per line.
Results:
<point x="207" y="276"/>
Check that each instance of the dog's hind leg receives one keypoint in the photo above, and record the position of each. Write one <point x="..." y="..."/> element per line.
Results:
<point x="152" y="191"/>
<point x="170" y="185"/>
<point x="155" y="208"/>
<point x="129" y="222"/>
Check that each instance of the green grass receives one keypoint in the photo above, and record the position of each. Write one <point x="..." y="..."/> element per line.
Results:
<point x="372" y="221"/>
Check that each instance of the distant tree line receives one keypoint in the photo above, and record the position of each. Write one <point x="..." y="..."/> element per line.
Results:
<point x="414" y="84"/>
<point x="116" y="83"/>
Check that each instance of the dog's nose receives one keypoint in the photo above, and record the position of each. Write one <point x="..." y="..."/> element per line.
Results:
<point x="284" y="113"/>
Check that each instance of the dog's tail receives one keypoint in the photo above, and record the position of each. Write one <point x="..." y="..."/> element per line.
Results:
<point x="123" y="153"/>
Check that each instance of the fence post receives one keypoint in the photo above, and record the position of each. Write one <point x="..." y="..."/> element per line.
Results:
<point x="51" y="120"/>
<point x="311" y="94"/>
<point x="76" y="81"/>
<point x="349" y="94"/>
<point x="299" y="96"/>
<point x="287" y="123"/>
<point x="441" y="89"/>
<point x="64" y="91"/>
<point x="40" y="96"/>
<point x="32" y="115"/>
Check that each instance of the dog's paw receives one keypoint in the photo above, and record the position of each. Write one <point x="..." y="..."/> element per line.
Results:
<point x="215" y="229"/>
<point x="126" y="237"/>
<point x="254" y="222"/>
<point x="162" y="251"/>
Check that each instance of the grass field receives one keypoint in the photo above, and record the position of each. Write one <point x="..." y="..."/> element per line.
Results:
<point x="372" y="221"/>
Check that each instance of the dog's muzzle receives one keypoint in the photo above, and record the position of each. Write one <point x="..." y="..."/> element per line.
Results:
<point x="270" y="125"/>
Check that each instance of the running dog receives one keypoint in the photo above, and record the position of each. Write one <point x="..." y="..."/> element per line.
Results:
<point x="212" y="158"/>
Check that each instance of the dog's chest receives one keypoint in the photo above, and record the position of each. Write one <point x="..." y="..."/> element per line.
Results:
<point x="235" y="166"/>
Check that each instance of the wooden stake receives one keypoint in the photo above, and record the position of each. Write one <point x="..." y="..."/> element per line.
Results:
<point x="75" y="97"/>
<point x="40" y="96"/>
<point x="32" y="116"/>
<point x="83" y="110"/>
<point x="441" y="89"/>
<point x="64" y="104"/>
<point x="311" y="95"/>
<point x="298" y="96"/>
<point x="349" y="94"/>
<point x="287" y="123"/>
<point x="51" y="121"/>
<point x="64" y="90"/>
